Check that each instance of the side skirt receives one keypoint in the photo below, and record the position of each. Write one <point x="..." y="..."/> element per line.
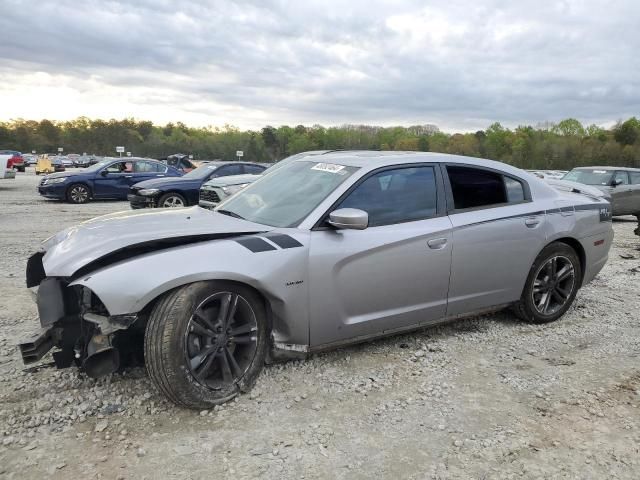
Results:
<point x="286" y="351"/>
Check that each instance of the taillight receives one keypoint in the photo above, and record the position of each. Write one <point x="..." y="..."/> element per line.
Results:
<point x="12" y="161"/>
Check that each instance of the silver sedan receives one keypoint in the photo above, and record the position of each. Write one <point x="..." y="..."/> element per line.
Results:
<point x="328" y="250"/>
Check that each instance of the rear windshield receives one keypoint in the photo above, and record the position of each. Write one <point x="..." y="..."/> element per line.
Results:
<point x="590" y="177"/>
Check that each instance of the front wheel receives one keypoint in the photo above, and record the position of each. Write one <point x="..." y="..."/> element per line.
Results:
<point x="552" y="284"/>
<point x="78" y="193"/>
<point x="171" y="200"/>
<point x="206" y="342"/>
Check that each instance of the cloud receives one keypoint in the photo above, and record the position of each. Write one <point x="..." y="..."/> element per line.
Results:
<point x="459" y="64"/>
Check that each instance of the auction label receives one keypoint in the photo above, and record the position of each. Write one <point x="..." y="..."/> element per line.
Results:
<point x="327" y="167"/>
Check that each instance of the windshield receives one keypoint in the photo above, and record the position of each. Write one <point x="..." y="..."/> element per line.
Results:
<point x="201" y="172"/>
<point x="590" y="177"/>
<point x="286" y="196"/>
<point x="97" y="166"/>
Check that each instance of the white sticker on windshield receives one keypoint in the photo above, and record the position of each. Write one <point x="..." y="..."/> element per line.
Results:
<point x="599" y="171"/>
<point x="327" y="167"/>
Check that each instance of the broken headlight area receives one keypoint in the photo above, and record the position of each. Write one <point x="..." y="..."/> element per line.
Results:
<point x="77" y="324"/>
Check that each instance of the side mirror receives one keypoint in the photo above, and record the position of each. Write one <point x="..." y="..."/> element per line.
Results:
<point x="615" y="182"/>
<point x="349" y="218"/>
<point x="104" y="172"/>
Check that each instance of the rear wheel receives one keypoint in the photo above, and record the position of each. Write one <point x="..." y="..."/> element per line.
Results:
<point x="78" y="193"/>
<point x="206" y="342"/>
<point x="171" y="200"/>
<point x="552" y="284"/>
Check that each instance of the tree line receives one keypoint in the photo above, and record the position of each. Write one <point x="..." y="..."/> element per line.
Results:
<point x="561" y="145"/>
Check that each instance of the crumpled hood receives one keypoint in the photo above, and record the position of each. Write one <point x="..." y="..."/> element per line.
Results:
<point x="77" y="246"/>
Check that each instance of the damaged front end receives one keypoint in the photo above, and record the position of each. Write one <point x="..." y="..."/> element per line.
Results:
<point x="75" y="322"/>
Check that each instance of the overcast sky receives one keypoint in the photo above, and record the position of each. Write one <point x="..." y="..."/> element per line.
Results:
<point x="458" y="64"/>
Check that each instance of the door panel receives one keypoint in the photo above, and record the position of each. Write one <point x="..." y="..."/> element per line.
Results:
<point x="365" y="282"/>
<point x="493" y="250"/>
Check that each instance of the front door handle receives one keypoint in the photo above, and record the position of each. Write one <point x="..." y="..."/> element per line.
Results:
<point x="437" y="243"/>
<point x="532" y="222"/>
<point x="128" y="176"/>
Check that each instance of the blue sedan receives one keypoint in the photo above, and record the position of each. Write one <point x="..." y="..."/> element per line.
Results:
<point x="185" y="191"/>
<point x="109" y="179"/>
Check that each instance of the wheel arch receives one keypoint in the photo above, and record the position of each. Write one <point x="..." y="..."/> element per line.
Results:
<point x="83" y="182"/>
<point x="577" y="247"/>
<point x="148" y="307"/>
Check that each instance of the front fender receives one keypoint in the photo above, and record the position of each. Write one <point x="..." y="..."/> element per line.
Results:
<point x="279" y="274"/>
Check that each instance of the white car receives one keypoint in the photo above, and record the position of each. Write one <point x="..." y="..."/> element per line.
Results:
<point x="6" y="169"/>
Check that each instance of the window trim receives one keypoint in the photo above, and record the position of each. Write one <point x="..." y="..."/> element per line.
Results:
<point x="440" y="194"/>
<point x="449" y="191"/>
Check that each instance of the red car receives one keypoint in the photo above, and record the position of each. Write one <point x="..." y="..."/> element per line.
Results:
<point x="16" y="161"/>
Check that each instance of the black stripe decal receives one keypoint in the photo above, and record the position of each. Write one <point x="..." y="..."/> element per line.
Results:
<point x="282" y="240"/>
<point x="592" y="206"/>
<point x="255" y="244"/>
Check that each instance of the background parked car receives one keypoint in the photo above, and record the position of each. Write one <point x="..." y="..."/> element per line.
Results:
<point x="6" y="167"/>
<point x="219" y="189"/>
<point x="107" y="179"/>
<point x="66" y="161"/>
<point x="30" y="159"/>
<point x="16" y="159"/>
<point x="620" y="183"/>
<point x="184" y="191"/>
<point x="73" y="158"/>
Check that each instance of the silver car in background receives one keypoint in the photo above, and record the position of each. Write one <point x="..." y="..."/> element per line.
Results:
<point x="622" y="184"/>
<point x="325" y="251"/>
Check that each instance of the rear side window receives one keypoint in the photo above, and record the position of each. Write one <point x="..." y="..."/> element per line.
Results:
<point x="228" y="170"/>
<point x="144" y="167"/>
<point x="477" y="188"/>
<point x="254" y="169"/>
<point x="396" y="196"/>
<point x="515" y="190"/>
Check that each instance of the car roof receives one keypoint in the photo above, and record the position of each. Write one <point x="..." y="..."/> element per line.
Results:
<point x="610" y="167"/>
<point x="376" y="159"/>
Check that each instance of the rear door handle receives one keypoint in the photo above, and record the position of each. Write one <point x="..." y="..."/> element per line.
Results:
<point x="128" y="176"/>
<point x="532" y="222"/>
<point x="437" y="243"/>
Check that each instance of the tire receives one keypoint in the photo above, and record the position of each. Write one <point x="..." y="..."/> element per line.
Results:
<point x="559" y="279"/>
<point x="171" y="200"/>
<point x="78" y="193"/>
<point x="175" y="351"/>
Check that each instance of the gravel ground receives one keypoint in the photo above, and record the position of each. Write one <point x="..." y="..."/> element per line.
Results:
<point x="482" y="398"/>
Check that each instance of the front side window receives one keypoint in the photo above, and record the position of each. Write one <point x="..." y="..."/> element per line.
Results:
<point x="621" y="178"/>
<point x="396" y="196"/>
<point x="120" y="167"/>
<point x="285" y="197"/>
